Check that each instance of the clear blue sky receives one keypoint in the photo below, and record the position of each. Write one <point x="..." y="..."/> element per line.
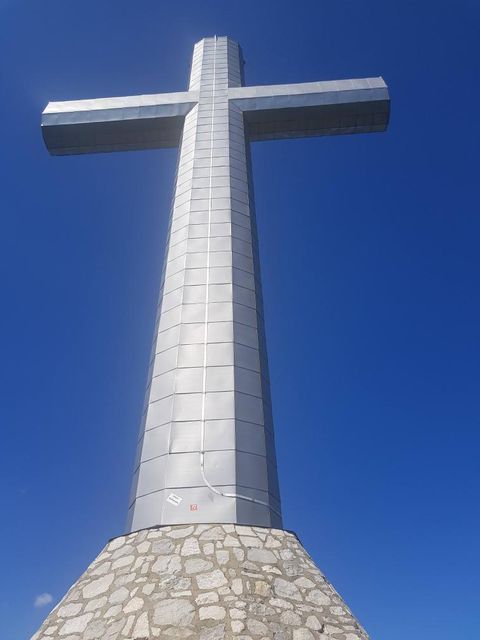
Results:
<point x="370" y="259"/>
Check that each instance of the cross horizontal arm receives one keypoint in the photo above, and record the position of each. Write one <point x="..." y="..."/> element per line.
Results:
<point x="313" y="108"/>
<point x="116" y="124"/>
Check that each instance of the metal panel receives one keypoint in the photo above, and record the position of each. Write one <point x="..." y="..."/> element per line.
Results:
<point x="185" y="437"/>
<point x="151" y="475"/>
<point x="155" y="442"/>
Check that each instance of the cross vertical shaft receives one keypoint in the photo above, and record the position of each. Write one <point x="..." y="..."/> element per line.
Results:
<point x="206" y="451"/>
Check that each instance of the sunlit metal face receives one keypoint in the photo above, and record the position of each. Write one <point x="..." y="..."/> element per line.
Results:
<point x="206" y="449"/>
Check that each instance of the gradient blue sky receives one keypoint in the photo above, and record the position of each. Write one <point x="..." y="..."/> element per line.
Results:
<point x="370" y="260"/>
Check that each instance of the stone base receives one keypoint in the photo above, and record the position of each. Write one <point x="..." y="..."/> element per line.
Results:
<point x="202" y="581"/>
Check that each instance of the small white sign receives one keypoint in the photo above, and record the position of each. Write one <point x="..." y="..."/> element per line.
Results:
<point x="174" y="499"/>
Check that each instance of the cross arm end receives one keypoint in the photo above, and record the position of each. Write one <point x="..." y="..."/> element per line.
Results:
<point x="314" y="108"/>
<point x="116" y="124"/>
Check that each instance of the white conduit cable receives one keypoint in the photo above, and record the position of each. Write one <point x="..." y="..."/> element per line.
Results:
<point x="205" y="340"/>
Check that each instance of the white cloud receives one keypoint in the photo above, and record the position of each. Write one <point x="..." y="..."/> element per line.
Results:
<point x="42" y="600"/>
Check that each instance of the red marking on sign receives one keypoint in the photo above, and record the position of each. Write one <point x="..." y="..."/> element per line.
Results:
<point x="193" y="507"/>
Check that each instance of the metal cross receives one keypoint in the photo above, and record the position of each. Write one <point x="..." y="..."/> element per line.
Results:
<point x="206" y="448"/>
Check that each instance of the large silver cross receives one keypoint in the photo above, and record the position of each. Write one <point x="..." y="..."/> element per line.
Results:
<point x="206" y="448"/>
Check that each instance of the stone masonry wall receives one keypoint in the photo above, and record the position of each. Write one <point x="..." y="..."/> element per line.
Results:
<point x="202" y="581"/>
